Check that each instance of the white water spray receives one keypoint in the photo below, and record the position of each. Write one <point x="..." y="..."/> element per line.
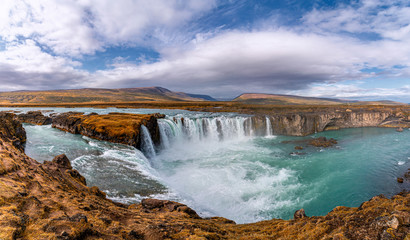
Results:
<point x="147" y="145"/>
<point x="214" y="129"/>
<point x="269" y="131"/>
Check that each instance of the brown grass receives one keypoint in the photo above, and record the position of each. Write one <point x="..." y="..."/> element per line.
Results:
<point x="238" y="107"/>
<point x="117" y="125"/>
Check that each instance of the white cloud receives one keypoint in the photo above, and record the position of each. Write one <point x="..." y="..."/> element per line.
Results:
<point x="389" y="19"/>
<point x="134" y="20"/>
<point x="355" y="91"/>
<point x="58" y="25"/>
<point x="25" y="66"/>
<point x="80" y="27"/>
<point x="260" y="61"/>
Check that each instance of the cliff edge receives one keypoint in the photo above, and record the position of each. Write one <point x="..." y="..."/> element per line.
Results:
<point x="114" y="127"/>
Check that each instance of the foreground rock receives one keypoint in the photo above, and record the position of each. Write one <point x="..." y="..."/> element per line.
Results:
<point x="51" y="201"/>
<point x="114" y="127"/>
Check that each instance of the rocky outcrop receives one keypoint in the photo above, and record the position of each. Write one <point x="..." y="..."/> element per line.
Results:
<point x="322" y="142"/>
<point x="34" y="117"/>
<point x="52" y="201"/>
<point x="305" y="123"/>
<point x="12" y="130"/>
<point x="114" y="127"/>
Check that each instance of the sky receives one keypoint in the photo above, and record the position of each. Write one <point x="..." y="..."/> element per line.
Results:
<point x="338" y="49"/>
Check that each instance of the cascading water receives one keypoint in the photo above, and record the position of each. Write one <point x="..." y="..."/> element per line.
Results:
<point x="269" y="132"/>
<point x="147" y="145"/>
<point x="209" y="129"/>
<point x="213" y="164"/>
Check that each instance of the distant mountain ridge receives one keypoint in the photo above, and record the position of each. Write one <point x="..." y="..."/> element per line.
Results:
<point x="279" y="99"/>
<point x="89" y="95"/>
<point x="160" y="94"/>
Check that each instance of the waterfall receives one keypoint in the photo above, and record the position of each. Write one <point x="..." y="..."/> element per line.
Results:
<point x="269" y="132"/>
<point x="147" y="145"/>
<point x="210" y="129"/>
<point x="164" y="133"/>
<point x="250" y="127"/>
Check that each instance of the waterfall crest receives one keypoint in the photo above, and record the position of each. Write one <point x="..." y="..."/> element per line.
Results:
<point x="219" y="128"/>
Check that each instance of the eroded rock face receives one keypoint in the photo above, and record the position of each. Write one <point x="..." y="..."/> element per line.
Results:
<point x="306" y="123"/>
<point x="299" y="214"/>
<point x="114" y="127"/>
<point x="12" y="130"/>
<point x="34" y="117"/>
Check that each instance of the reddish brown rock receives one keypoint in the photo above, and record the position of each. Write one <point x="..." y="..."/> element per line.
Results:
<point x="299" y="214"/>
<point x="62" y="161"/>
<point x="114" y="127"/>
<point x="322" y="142"/>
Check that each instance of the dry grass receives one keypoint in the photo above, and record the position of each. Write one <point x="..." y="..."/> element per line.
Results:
<point x="239" y="107"/>
<point x="117" y="125"/>
<point x="93" y="96"/>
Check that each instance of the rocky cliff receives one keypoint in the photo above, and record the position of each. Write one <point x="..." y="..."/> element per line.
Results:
<point x="114" y="127"/>
<point x="34" y="117"/>
<point x="305" y="123"/>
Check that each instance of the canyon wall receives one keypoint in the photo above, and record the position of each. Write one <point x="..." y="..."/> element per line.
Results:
<point x="305" y="123"/>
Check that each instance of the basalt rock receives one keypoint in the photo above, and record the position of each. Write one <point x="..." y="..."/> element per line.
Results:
<point x="34" y="117"/>
<point x="12" y="130"/>
<point x="305" y="123"/>
<point x="299" y="214"/>
<point x="114" y="127"/>
<point x="322" y="142"/>
<point x="165" y="205"/>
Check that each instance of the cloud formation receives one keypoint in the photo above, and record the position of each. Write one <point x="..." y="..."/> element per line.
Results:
<point x="43" y="42"/>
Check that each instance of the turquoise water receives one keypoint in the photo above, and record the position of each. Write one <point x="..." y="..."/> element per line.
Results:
<point x="241" y="177"/>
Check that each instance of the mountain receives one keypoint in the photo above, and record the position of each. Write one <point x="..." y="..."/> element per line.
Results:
<point x="278" y="99"/>
<point x="94" y="95"/>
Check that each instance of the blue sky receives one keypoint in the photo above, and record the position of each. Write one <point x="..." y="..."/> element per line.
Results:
<point x="342" y="49"/>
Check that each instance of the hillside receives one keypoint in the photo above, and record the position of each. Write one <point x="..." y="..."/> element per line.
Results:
<point x="89" y="95"/>
<point x="277" y="99"/>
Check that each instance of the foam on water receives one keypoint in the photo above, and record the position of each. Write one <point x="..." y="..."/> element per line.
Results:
<point x="213" y="164"/>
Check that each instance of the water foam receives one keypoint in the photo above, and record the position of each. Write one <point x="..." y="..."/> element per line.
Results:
<point x="213" y="165"/>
